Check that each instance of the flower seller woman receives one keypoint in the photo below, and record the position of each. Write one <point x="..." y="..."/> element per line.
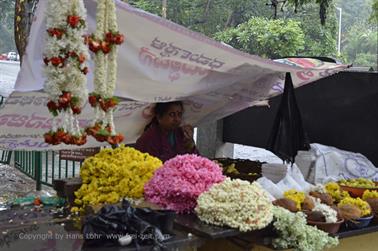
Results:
<point x="164" y="137"/>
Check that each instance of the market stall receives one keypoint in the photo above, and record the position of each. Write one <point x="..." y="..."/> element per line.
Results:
<point x="129" y="200"/>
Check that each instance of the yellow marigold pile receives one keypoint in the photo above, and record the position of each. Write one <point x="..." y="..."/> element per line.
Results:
<point x="334" y="190"/>
<point x="362" y="205"/>
<point x="113" y="174"/>
<point x="370" y="194"/>
<point x="296" y="196"/>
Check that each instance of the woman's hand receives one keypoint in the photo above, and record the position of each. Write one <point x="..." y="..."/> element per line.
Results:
<point x="188" y="137"/>
<point x="188" y="132"/>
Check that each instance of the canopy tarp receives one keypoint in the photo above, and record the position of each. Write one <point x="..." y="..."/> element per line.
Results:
<point x="159" y="61"/>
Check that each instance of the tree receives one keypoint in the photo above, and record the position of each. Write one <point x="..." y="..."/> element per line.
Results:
<point x="374" y="14"/>
<point x="361" y="49"/>
<point x="266" y="38"/>
<point x="320" y="40"/>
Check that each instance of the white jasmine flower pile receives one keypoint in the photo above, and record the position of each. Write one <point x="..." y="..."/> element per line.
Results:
<point x="329" y="213"/>
<point x="235" y="203"/>
<point x="295" y="233"/>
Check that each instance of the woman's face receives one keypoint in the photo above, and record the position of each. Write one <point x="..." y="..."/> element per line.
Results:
<point x="172" y="118"/>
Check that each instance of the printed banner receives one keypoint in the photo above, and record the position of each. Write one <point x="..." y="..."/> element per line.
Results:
<point x="159" y="61"/>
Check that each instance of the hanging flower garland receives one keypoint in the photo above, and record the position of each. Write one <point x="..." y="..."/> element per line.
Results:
<point x="103" y="43"/>
<point x="64" y="56"/>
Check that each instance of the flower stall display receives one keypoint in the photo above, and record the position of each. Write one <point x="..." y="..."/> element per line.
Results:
<point x="358" y="182"/>
<point x="113" y="174"/>
<point x="295" y="233"/>
<point x="328" y="212"/>
<point x="359" y="203"/>
<point x="335" y="191"/>
<point x="103" y="43"/>
<point x="296" y="196"/>
<point x="181" y="180"/>
<point x="368" y="194"/>
<point x="64" y="56"/>
<point x="235" y="203"/>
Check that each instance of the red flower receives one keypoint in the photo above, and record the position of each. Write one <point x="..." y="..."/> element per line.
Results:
<point x="85" y="70"/>
<point x="118" y="39"/>
<point x="116" y="139"/>
<point x="105" y="47"/>
<point x="92" y="100"/>
<point x="76" y="110"/>
<point x="56" y="61"/>
<point x="73" y="21"/>
<point x="58" y="33"/>
<point x="48" y="138"/>
<point x="52" y="105"/>
<point x="109" y="37"/>
<point x="81" y="58"/>
<point x="94" y="46"/>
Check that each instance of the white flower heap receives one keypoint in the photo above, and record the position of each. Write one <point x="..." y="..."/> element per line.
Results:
<point x="294" y="232"/>
<point x="64" y="56"/>
<point x="235" y="203"/>
<point x="103" y="43"/>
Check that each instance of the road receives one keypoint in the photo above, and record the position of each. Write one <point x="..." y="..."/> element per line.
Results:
<point x="8" y="76"/>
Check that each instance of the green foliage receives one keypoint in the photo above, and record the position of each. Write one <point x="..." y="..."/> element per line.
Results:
<point x="6" y="26"/>
<point x="361" y="49"/>
<point x="266" y="38"/>
<point x="359" y="32"/>
<point x="320" y="40"/>
<point x="374" y="14"/>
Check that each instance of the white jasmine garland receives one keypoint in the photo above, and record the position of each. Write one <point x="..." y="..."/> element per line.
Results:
<point x="104" y="44"/>
<point x="295" y="233"/>
<point x="67" y="49"/>
<point x="235" y="203"/>
<point x="329" y="213"/>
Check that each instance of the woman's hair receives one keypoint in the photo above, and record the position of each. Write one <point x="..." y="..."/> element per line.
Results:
<point x="160" y="109"/>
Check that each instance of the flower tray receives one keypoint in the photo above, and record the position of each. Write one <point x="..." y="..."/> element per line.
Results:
<point x="246" y="169"/>
<point x="331" y="228"/>
<point x="357" y="191"/>
<point x="359" y="223"/>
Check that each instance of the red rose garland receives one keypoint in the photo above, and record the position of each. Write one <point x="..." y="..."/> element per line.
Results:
<point x="103" y="44"/>
<point x="64" y="56"/>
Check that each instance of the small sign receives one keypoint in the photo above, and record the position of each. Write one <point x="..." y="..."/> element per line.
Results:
<point x="78" y="154"/>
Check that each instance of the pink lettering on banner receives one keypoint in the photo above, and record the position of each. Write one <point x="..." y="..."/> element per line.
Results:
<point x="305" y="75"/>
<point x="175" y="68"/>
<point x="168" y="50"/>
<point x="33" y="121"/>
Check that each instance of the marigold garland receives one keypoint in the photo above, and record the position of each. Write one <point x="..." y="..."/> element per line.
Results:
<point x="103" y="43"/>
<point x="64" y="56"/>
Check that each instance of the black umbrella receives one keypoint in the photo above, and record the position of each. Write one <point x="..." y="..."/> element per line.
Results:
<point x="288" y="135"/>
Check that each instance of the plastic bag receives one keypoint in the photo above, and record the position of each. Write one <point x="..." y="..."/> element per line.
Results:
<point x="297" y="175"/>
<point x="270" y="187"/>
<point x="288" y="135"/>
<point x="145" y="226"/>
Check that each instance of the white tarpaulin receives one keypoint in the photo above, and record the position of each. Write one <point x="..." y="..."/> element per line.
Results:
<point x="159" y="61"/>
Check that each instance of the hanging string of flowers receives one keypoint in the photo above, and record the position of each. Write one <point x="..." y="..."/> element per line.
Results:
<point x="103" y="43"/>
<point x="64" y="56"/>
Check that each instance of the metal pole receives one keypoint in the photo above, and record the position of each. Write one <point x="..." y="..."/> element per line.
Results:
<point x="339" y="40"/>
<point x="164" y="9"/>
<point x="37" y="169"/>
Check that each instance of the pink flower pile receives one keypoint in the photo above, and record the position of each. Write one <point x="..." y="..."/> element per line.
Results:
<point x="181" y="180"/>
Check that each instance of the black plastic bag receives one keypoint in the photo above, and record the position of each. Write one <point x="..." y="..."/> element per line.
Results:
<point x="288" y="135"/>
<point x="145" y="226"/>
